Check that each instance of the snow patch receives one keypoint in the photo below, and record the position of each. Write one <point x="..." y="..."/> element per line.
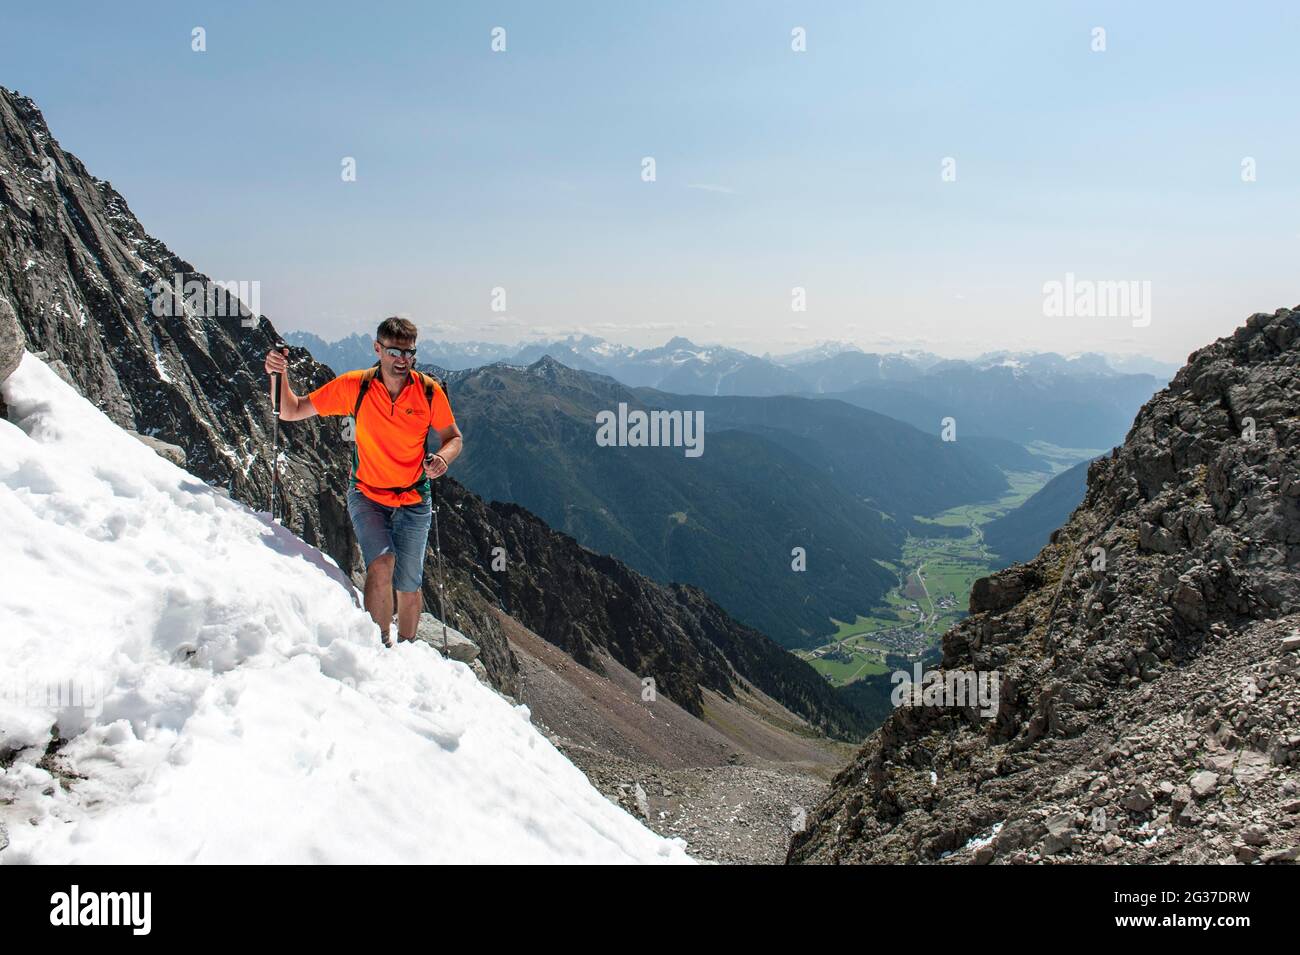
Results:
<point x="978" y="842"/>
<point x="159" y="362"/>
<point x="236" y="703"/>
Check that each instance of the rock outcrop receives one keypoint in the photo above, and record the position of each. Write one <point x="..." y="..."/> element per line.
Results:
<point x="173" y="453"/>
<point x="1146" y="661"/>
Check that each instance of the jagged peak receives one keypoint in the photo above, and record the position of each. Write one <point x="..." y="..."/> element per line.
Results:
<point x="26" y="110"/>
<point x="548" y="363"/>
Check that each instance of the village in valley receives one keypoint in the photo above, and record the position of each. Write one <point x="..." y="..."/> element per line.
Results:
<point x="935" y="576"/>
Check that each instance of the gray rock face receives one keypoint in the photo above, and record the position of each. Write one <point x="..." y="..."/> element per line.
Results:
<point x="85" y="279"/>
<point x="1168" y="657"/>
<point x="11" y="346"/>
<point x="11" y="339"/>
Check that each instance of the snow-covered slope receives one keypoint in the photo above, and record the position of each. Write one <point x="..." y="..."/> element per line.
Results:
<point x="236" y="704"/>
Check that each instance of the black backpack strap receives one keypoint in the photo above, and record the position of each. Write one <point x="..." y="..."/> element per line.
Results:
<point x="429" y="383"/>
<point x="371" y="373"/>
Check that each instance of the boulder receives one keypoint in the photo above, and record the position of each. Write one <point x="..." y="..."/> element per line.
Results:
<point x="459" y="646"/>
<point x="1003" y="590"/>
<point x="1255" y="835"/>
<point x="1018" y="834"/>
<point x="1138" y="799"/>
<point x="1252" y="766"/>
<point x="1282" y="855"/>
<point x="1060" y="834"/>
<point x="1204" y="783"/>
<point x="173" y="453"/>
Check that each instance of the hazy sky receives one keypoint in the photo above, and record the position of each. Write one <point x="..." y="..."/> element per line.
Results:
<point x="775" y="169"/>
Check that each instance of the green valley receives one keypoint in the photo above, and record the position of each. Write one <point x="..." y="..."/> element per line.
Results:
<point x="932" y="586"/>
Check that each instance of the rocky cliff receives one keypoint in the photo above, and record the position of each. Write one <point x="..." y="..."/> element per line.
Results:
<point x="1147" y="661"/>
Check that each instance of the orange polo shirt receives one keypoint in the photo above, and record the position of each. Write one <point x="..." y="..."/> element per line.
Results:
<point x="390" y="435"/>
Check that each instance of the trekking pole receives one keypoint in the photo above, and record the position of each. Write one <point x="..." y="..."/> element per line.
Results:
<point x="442" y="583"/>
<point x="275" y="440"/>
<point x="437" y="548"/>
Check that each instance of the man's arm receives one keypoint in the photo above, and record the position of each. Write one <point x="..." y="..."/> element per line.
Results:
<point x="292" y="407"/>
<point x="451" y="445"/>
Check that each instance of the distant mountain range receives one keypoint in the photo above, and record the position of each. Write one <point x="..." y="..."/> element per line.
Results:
<point x="1085" y="401"/>
<point x="591" y="353"/>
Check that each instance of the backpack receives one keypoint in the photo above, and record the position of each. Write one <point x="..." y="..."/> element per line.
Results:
<point x="367" y="380"/>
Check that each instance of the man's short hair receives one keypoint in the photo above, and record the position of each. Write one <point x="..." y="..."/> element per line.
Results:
<point x="396" y="330"/>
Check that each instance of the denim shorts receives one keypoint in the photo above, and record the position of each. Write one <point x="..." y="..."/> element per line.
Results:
<point x="401" y="531"/>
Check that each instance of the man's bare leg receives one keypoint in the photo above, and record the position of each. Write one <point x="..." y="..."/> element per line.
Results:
<point x="379" y="593"/>
<point x="409" y="605"/>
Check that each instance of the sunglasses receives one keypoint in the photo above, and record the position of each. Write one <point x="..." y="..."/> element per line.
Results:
<point x="399" y="352"/>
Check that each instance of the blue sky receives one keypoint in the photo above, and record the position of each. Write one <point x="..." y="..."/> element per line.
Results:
<point x="775" y="169"/>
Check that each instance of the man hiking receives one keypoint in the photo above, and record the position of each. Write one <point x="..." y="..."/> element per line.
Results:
<point x="394" y="407"/>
